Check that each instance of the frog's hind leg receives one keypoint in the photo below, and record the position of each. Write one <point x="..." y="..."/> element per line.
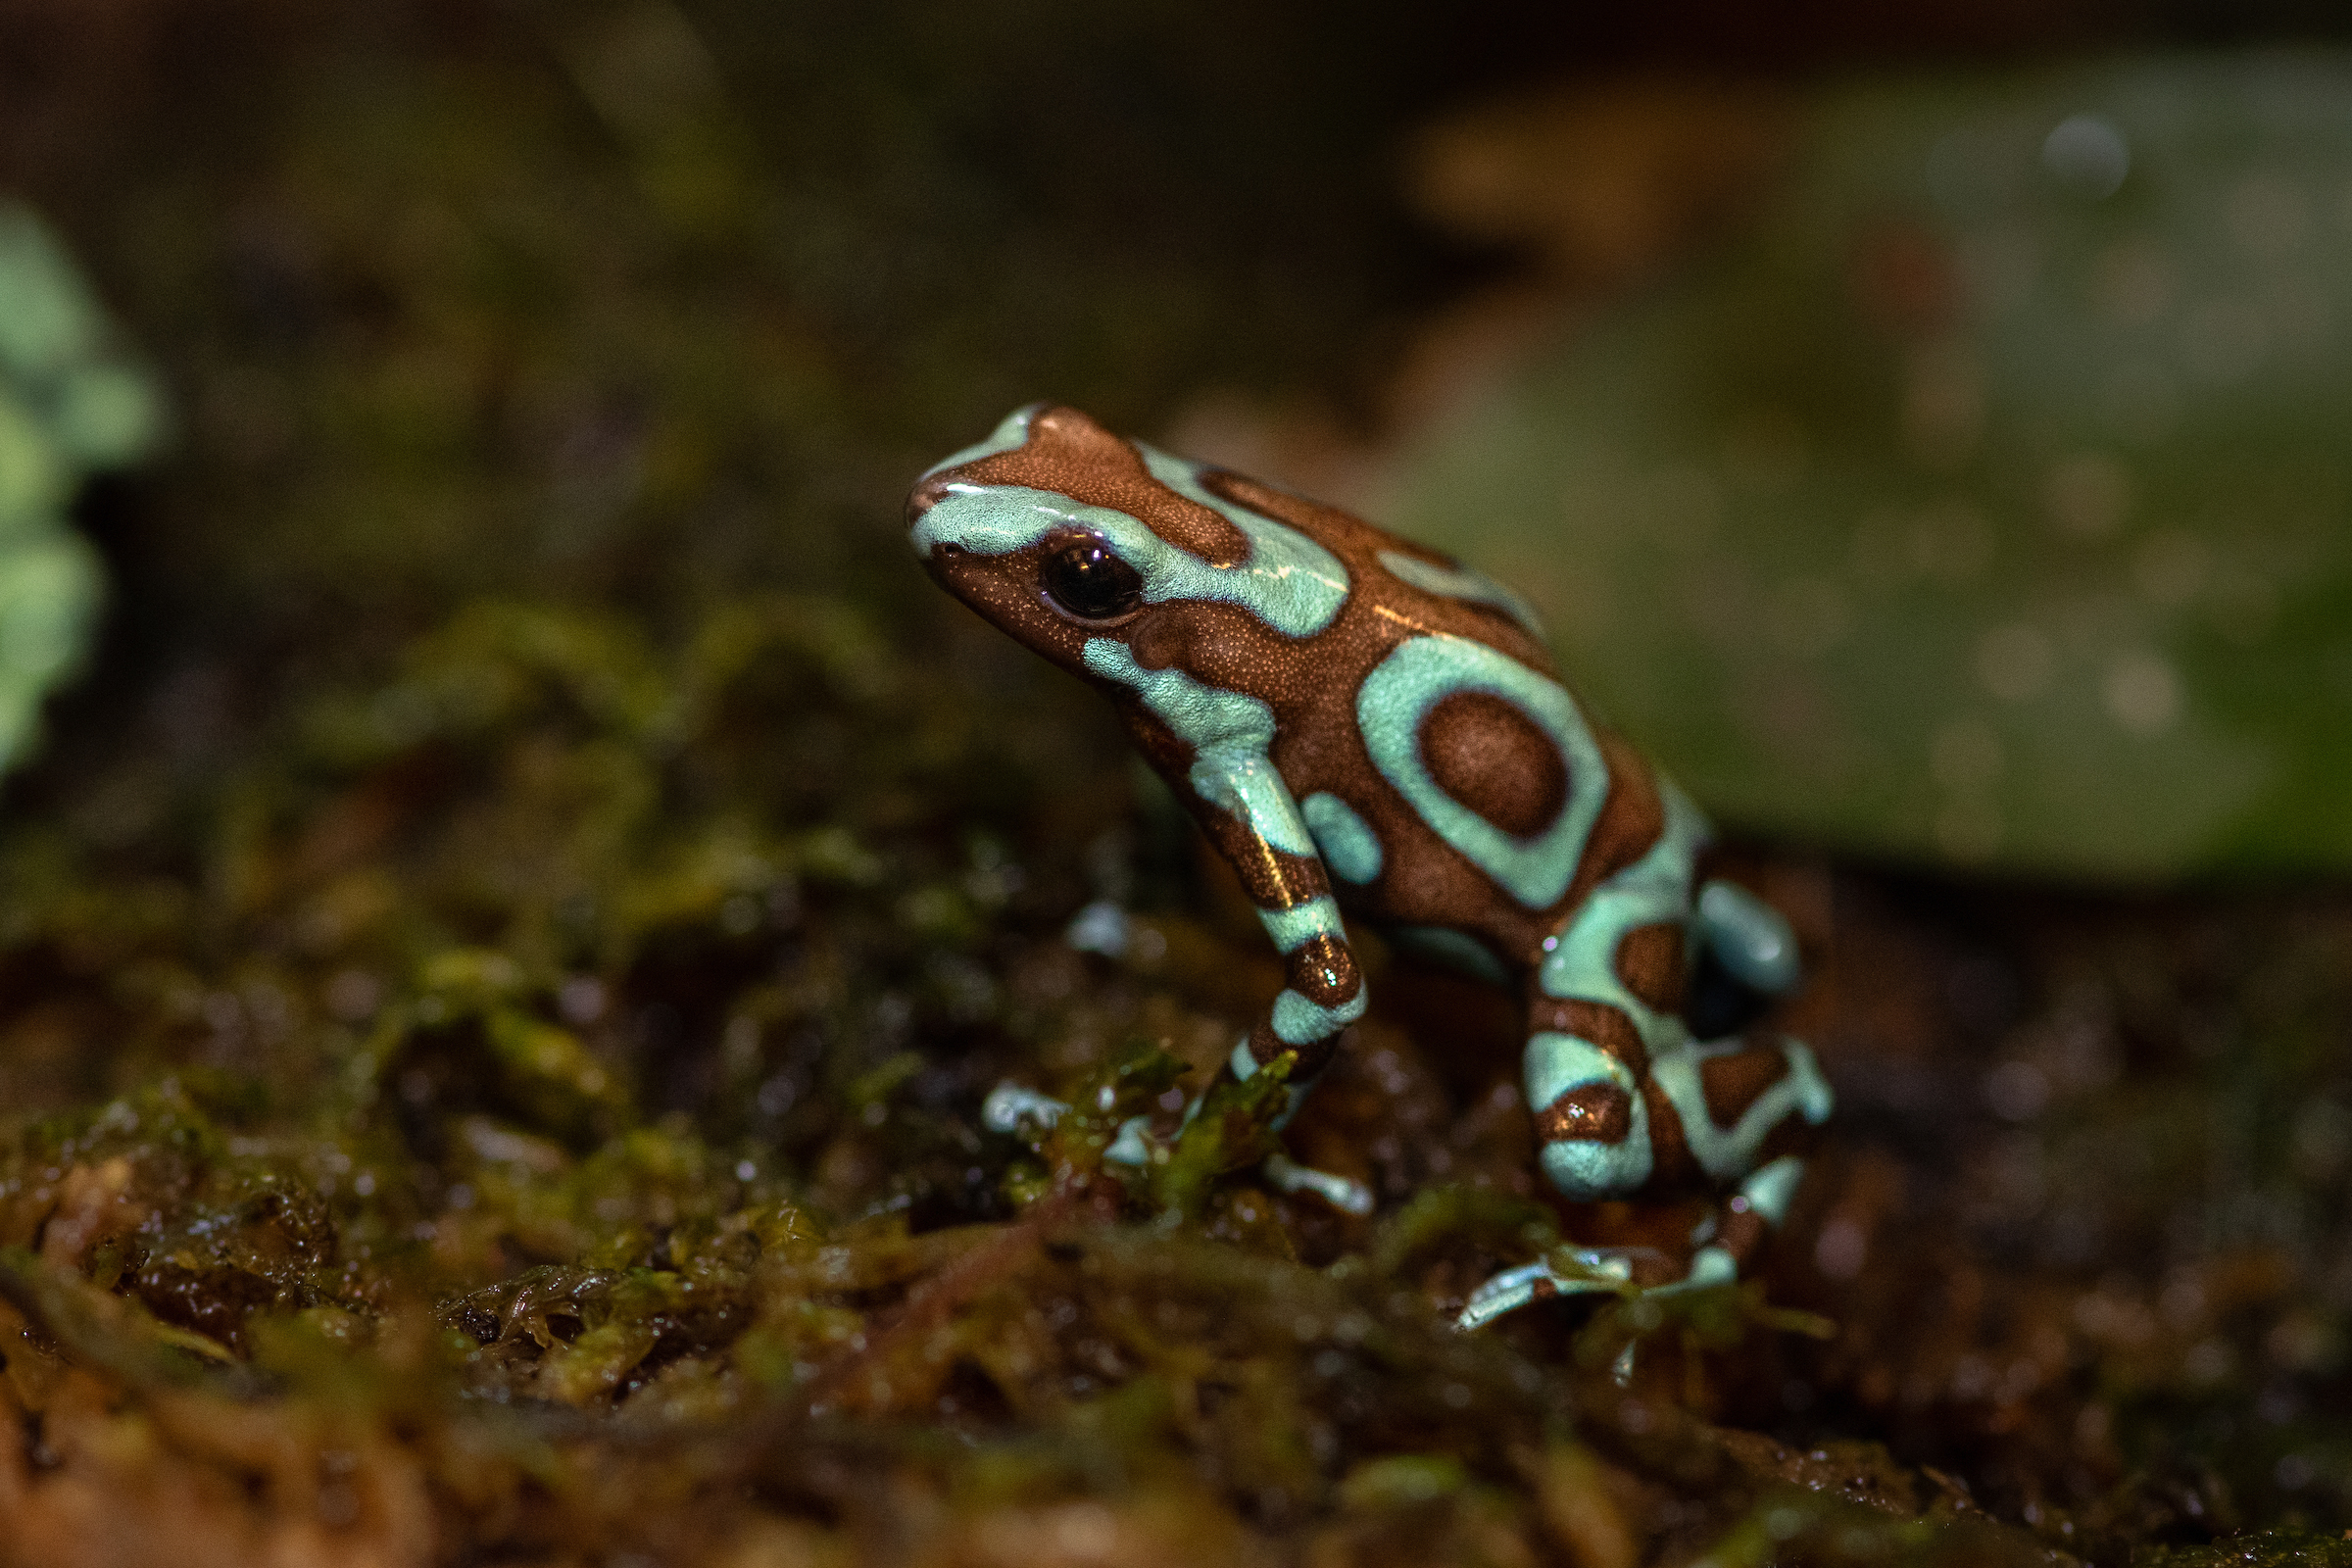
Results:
<point x="1734" y="1113"/>
<point x="1744" y="1111"/>
<point x="1627" y="1101"/>
<point x="1745" y="1106"/>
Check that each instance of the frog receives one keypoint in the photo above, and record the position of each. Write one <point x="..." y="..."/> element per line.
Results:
<point x="1368" y="730"/>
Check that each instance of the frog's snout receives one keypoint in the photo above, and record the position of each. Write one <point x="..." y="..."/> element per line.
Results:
<point x="930" y="493"/>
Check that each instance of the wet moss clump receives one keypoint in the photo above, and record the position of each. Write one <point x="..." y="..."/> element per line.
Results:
<point x="501" y="964"/>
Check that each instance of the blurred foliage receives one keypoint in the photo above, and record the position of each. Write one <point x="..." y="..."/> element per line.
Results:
<point x="1983" y="499"/>
<point x="71" y="404"/>
<point x="499" y="971"/>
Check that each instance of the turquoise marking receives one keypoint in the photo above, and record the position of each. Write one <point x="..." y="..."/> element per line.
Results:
<point x="1294" y="928"/>
<point x="1300" y="1023"/>
<point x="1583" y="964"/>
<point x="1555" y="1064"/>
<point x="1749" y="937"/>
<point x="1288" y="581"/>
<point x="1349" y="847"/>
<point x="1709" y="1265"/>
<point x="1397" y="696"/>
<point x="1515" y="1288"/>
<point x="1448" y="949"/>
<point x="1582" y="1169"/>
<point x="1770" y="1191"/>
<point x="1583" y="968"/>
<point x="1244" y="1064"/>
<point x="1011" y="435"/>
<point x="1462" y="582"/>
<point x="1229" y="732"/>
<point x="1249" y="788"/>
<point x="999" y="520"/>
<point x="1725" y="1152"/>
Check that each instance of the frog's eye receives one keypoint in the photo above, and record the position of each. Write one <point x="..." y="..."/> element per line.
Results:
<point x="1088" y="583"/>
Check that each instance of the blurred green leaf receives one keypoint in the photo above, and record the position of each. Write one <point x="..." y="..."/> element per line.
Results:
<point x="1985" y="500"/>
<point x="69" y="407"/>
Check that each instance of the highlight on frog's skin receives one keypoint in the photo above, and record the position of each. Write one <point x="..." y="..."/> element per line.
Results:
<point x="1369" y="730"/>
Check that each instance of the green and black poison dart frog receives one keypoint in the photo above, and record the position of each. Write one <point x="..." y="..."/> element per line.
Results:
<point x="1364" y="726"/>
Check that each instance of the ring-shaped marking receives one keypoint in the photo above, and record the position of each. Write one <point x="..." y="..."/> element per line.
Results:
<point x="1395" y="699"/>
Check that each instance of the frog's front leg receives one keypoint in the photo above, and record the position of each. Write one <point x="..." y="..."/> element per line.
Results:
<point x="1256" y="824"/>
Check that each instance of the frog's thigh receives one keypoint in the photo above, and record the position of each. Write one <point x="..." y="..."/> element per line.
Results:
<point x="1602" y="1013"/>
<point x="1589" y="1108"/>
<point x="1731" y="1097"/>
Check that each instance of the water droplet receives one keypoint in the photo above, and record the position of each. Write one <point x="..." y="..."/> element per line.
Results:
<point x="2088" y="156"/>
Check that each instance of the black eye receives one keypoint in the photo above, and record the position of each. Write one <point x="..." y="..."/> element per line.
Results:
<point x="1088" y="581"/>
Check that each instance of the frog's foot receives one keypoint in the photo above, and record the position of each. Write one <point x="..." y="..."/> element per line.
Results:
<point x="1596" y="1269"/>
<point x="1725" y="1242"/>
<point x="1343" y="1193"/>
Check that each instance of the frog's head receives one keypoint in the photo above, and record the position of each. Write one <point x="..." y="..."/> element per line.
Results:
<point x="1010" y="526"/>
<point x="1062" y="533"/>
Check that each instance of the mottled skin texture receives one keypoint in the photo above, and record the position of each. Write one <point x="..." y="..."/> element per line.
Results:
<point x="1048" y="482"/>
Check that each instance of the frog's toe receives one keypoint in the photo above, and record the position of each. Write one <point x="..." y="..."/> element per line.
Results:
<point x="1009" y="1107"/>
<point x="1530" y="1283"/>
<point x="1508" y="1291"/>
<point x="1709" y="1265"/>
<point x="1133" y="1145"/>
<point x="1343" y="1193"/>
